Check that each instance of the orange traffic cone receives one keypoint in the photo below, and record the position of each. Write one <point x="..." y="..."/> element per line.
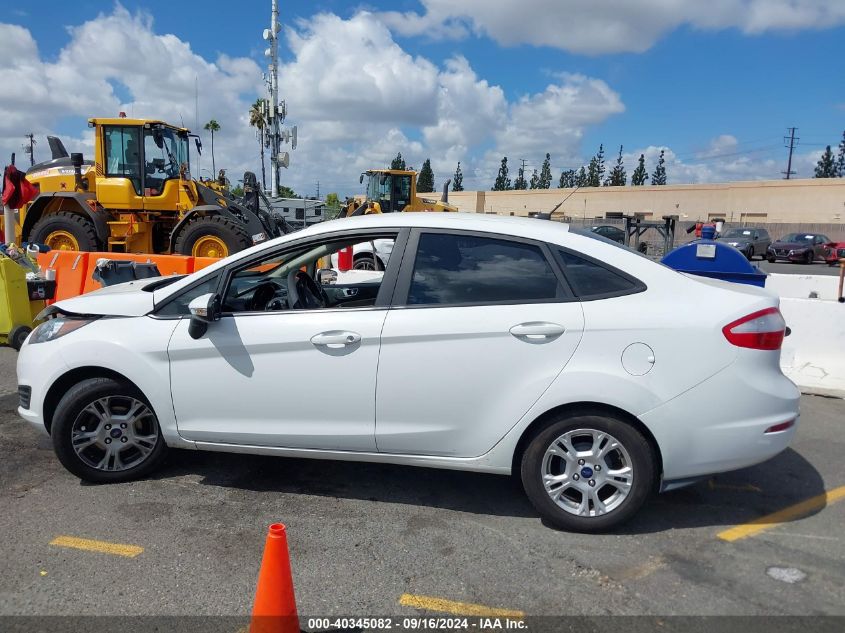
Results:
<point x="274" y="610"/>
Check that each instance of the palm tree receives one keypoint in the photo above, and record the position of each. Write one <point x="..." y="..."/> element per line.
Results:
<point x="212" y="126"/>
<point x="256" y="120"/>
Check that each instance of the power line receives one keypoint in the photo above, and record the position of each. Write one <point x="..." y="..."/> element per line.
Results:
<point x="792" y="139"/>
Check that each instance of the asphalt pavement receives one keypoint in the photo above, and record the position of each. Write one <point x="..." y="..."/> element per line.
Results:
<point x="369" y="540"/>
<point x="786" y="268"/>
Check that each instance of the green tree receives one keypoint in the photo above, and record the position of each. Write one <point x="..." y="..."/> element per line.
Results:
<point x="212" y="126"/>
<point x="398" y="162"/>
<point x="520" y="182"/>
<point x="595" y="170"/>
<point x="285" y="192"/>
<point x="581" y="179"/>
<point x="425" y="181"/>
<point x="659" y="175"/>
<point x="567" y="179"/>
<point x="256" y="120"/>
<point x="640" y="174"/>
<point x="458" y="179"/>
<point x="546" y="173"/>
<point x="617" y="176"/>
<point x="535" y="181"/>
<point x="332" y="205"/>
<point x="237" y="191"/>
<point x="840" y="160"/>
<point x="503" y="181"/>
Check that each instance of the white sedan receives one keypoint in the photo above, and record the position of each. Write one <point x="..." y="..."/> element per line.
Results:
<point x="489" y="344"/>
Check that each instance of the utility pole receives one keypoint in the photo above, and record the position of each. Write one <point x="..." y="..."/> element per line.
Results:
<point x="792" y="140"/>
<point x="30" y="149"/>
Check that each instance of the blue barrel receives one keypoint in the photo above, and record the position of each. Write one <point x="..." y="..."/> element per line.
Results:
<point x="708" y="258"/>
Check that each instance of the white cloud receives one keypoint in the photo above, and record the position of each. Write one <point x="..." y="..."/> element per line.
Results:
<point x="610" y="26"/>
<point x="157" y="71"/>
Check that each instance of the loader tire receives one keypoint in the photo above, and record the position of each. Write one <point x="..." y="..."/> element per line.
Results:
<point x="65" y="231"/>
<point x="211" y="236"/>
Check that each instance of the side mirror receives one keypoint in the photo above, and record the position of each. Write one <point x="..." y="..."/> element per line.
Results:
<point x="204" y="309"/>
<point x="326" y="276"/>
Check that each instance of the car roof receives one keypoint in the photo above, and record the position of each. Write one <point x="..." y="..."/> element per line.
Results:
<point x="508" y="225"/>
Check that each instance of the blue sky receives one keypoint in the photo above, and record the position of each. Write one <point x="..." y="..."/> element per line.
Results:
<point x="730" y="88"/>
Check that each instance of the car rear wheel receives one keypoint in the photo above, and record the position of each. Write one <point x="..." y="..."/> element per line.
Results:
<point x="105" y="431"/>
<point x="810" y="257"/>
<point x="588" y="473"/>
<point x="750" y="253"/>
<point x="364" y="262"/>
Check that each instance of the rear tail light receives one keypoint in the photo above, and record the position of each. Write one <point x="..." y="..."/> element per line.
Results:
<point x="760" y="330"/>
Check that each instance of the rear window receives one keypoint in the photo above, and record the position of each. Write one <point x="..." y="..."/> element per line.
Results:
<point x="461" y="269"/>
<point x="592" y="280"/>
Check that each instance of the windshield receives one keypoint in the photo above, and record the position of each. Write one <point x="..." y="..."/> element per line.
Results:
<point x="797" y="237"/>
<point x="737" y="233"/>
<point x="165" y="152"/>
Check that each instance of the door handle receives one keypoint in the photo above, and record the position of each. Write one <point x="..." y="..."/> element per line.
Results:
<point x="336" y="338"/>
<point x="537" y="331"/>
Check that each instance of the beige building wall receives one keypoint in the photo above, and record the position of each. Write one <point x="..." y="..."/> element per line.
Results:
<point x="817" y="200"/>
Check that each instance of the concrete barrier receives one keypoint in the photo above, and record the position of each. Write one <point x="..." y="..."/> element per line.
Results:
<point x="813" y="355"/>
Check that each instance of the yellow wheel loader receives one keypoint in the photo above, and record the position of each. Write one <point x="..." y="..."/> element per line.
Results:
<point x="137" y="196"/>
<point x="394" y="191"/>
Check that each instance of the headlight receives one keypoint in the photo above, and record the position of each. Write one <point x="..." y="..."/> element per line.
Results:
<point x="56" y="328"/>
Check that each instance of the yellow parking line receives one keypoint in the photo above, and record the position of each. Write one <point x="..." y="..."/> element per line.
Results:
<point x="456" y="608"/>
<point x="782" y="516"/>
<point x="118" y="549"/>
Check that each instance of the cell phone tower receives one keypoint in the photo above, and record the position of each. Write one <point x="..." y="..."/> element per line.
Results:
<point x="275" y="110"/>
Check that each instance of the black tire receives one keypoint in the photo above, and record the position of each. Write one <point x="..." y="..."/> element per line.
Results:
<point x="76" y="224"/>
<point x="770" y="259"/>
<point x="810" y="257"/>
<point x="643" y="463"/>
<point x="365" y="261"/>
<point x="750" y="253"/>
<point x="17" y="336"/>
<point x="231" y="233"/>
<point x="71" y="408"/>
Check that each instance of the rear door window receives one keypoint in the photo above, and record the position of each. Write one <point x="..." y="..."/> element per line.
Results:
<point x="593" y="280"/>
<point x="461" y="269"/>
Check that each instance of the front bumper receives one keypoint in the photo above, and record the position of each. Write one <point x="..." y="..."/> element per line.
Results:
<point x="786" y="257"/>
<point x="38" y="367"/>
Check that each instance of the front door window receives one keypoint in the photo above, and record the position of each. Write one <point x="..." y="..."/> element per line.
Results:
<point x="123" y="158"/>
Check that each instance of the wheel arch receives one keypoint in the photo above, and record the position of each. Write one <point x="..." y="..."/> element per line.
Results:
<point x="572" y="409"/>
<point x="77" y="202"/>
<point x="73" y="377"/>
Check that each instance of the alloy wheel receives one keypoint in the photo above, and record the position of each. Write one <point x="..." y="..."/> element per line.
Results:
<point x="114" y="433"/>
<point x="587" y="472"/>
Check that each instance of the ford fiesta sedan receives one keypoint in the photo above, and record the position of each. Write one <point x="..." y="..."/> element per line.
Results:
<point x="488" y="344"/>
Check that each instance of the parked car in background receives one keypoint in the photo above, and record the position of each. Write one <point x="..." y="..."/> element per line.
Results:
<point x="835" y="252"/>
<point x="799" y="248"/>
<point x="489" y="344"/>
<point x="748" y="239"/>
<point x="613" y="233"/>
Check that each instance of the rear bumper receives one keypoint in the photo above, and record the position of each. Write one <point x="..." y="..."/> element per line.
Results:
<point x="720" y="424"/>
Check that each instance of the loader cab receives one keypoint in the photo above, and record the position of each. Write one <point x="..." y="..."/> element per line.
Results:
<point x="136" y="159"/>
<point x="393" y="190"/>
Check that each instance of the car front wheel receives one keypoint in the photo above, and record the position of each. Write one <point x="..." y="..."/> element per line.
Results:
<point x="588" y="473"/>
<point x="105" y="431"/>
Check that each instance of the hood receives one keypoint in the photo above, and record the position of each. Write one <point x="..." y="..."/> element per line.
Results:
<point x="792" y="245"/>
<point x="745" y="239"/>
<point x="126" y="299"/>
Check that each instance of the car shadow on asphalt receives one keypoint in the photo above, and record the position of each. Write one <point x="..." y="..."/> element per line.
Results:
<point x="722" y="500"/>
<point x="477" y="493"/>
